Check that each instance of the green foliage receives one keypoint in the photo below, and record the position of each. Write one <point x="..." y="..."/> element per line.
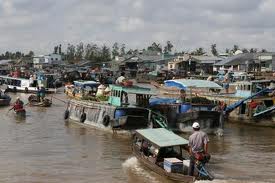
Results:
<point x="199" y="100"/>
<point x="253" y="50"/>
<point x="199" y="51"/>
<point x="168" y="47"/>
<point x="155" y="47"/>
<point x="79" y="54"/>
<point x="95" y="99"/>
<point x="235" y="48"/>
<point x="122" y="50"/>
<point x="115" y="51"/>
<point x="244" y="50"/>
<point x="214" y="50"/>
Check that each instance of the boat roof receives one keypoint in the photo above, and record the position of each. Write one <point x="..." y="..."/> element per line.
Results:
<point x="133" y="89"/>
<point x="189" y="83"/>
<point x="82" y="83"/>
<point x="7" y="77"/>
<point x="162" y="137"/>
<point x="252" y="82"/>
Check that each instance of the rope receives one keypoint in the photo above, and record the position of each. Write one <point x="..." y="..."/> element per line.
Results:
<point x="60" y="99"/>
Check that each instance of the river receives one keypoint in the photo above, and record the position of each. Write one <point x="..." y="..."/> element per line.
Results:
<point x="43" y="148"/>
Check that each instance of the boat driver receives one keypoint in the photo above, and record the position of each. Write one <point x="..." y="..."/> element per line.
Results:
<point x="198" y="147"/>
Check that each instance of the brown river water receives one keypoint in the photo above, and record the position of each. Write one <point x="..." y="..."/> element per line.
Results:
<point x="43" y="148"/>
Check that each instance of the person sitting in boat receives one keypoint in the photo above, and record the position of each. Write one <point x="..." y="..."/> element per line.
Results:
<point x="198" y="147"/>
<point x="18" y="105"/>
<point x="121" y="78"/>
<point x="100" y="90"/>
<point x="253" y="104"/>
<point x="261" y="107"/>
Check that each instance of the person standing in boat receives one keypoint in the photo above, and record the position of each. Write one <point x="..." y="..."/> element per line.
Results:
<point x="198" y="147"/>
<point x="42" y="93"/>
<point x="38" y="94"/>
<point x="121" y="78"/>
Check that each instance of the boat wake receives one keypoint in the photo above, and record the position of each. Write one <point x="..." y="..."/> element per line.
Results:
<point x="137" y="173"/>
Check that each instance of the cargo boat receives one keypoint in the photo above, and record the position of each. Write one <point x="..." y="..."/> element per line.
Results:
<point x="117" y="113"/>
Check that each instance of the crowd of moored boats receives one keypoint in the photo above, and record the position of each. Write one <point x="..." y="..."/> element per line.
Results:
<point x="154" y="111"/>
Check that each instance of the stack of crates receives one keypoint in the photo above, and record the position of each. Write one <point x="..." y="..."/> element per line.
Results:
<point x="173" y="165"/>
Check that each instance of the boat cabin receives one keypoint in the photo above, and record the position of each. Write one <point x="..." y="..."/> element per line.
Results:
<point x="21" y="84"/>
<point x="120" y="95"/>
<point x="164" y="152"/>
<point x="248" y="88"/>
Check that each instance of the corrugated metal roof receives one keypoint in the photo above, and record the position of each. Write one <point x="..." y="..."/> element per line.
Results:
<point x="236" y="59"/>
<point x="242" y="58"/>
<point x="162" y="137"/>
<point x="189" y="83"/>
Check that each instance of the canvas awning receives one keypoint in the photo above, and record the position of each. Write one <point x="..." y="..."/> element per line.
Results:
<point x="162" y="137"/>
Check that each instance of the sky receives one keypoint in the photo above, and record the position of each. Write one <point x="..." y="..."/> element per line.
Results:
<point x="39" y="25"/>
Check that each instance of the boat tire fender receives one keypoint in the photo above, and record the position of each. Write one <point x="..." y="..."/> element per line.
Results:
<point x="26" y="90"/>
<point x="106" y="120"/>
<point x="83" y="117"/>
<point x="66" y="114"/>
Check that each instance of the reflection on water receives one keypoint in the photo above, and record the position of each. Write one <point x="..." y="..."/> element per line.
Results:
<point x="43" y="148"/>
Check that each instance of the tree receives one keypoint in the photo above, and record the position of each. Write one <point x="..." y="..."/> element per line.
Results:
<point x="105" y="54"/>
<point x="199" y="51"/>
<point x="155" y="47"/>
<point x="59" y="49"/>
<point x="214" y="50"/>
<point x="168" y="47"/>
<point x="30" y="54"/>
<point x="227" y="50"/>
<point x="70" y="53"/>
<point x="253" y="50"/>
<point x="244" y="50"/>
<point x="79" y="51"/>
<point x="115" y="50"/>
<point x="263" y="50"/>
<point x="55" y="50"/>
<point x="235" y="48"/>
<point x="122" y="50"/>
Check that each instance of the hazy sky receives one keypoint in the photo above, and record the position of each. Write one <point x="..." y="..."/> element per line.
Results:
<point x="40" y="24"/>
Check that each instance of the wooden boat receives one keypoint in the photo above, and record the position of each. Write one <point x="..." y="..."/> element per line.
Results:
<point x="5" y="100"/>
<point x="186" y="109"/>
<point x="20" y="112"/>
<point x="239" y="104"/>
<point x="23" y="85"/>
<point x="116" y="113"/>
<point x="155" y="147"/>
<point x="80" y="88"/>
<point x="33" y="101"/>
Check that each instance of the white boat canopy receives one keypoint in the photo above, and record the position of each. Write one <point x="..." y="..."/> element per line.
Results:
<point x="191" y="83"/>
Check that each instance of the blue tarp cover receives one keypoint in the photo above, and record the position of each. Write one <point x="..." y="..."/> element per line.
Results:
<point x="156" y="101"/>
<point x="187" y="83"/>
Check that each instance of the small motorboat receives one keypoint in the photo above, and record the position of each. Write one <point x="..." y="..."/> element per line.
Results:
<point x="166" y="153"/>
<point x="5" y="100"/>
<point x="34" y="101"/>
<point x="20" y="112"/>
